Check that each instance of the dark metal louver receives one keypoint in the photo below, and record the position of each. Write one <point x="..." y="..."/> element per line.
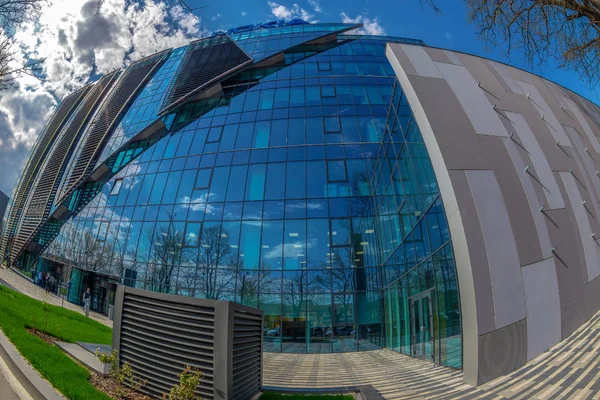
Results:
<point x="247" y="354"/>
<point x="159" y="334"/>
<point x="109" y="114"/>
<point x="47" y="138"/>
<point x="205" y="62"/>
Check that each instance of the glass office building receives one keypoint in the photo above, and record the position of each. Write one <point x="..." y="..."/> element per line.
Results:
<point x="291" y="178"/>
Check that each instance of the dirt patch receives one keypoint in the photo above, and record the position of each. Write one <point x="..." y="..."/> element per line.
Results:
<point x="42" y="335"/>
<point x="109" y="387"/>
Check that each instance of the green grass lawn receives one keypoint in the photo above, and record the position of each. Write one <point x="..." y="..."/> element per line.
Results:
<point x="278" y="396"/>
<point x="18" y="312"/>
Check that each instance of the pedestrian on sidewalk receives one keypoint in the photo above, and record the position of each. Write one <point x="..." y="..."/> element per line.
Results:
<point x="48" y="282"/>
<point x="86" y="300"/>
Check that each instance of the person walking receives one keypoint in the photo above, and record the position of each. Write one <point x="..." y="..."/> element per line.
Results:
<point x="86" y="301"/>
<point x="47" y="282"/>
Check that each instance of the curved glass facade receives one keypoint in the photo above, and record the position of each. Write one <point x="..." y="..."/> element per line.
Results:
<point x="288" y="193"/>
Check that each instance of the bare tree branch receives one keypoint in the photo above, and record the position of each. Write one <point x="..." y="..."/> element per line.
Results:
<point x="567" y="31"/>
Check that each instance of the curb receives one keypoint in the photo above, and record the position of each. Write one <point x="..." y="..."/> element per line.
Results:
<point x="29" y="378"/>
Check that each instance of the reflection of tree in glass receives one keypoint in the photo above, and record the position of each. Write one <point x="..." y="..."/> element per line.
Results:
<point x="342" y="274"/>
<point x="165" y="255"/>
<point x="215" y="266"/>
<point x="295" y="293"/>
<point x="121" y="252"/>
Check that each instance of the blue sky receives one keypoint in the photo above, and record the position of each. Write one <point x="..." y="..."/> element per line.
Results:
<point x="78" y="44"/>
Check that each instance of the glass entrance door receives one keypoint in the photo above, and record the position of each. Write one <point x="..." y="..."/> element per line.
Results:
<point x="421" y="316"/>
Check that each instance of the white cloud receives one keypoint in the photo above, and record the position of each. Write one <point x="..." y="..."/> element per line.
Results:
<point x="370" y="26"/>
<point x="315" y="5"/>
<point x="244" y="13"/>
<point x="284" y="12"/>
<point x="79" y="44"/>
<point x="216" y="17"/>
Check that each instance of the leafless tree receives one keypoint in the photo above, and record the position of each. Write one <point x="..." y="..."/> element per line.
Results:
<point x="567" y="31"/>
<point x="215" y="270"/>
<point x="167" y="249"/>
<point x="295" y="292"/>
<point x="14" y="13"/>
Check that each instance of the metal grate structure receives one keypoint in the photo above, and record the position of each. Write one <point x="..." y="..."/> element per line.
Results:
<point x="159" y="334"/>
<point x="108" y="114"/>
<point x="32" y="167"/>
<point x="41" y="198"/>
<point x="247" y="354"/>
<point x="205" y="62"/>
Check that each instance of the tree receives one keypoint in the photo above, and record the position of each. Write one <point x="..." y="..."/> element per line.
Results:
<point x="215" y="270"/>
<point x="166" y="253"/>
<point x="12" y="14"/>
<point x="567" y="31"/>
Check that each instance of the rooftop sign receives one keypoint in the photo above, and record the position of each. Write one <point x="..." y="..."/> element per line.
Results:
<point x="267" y="25"/>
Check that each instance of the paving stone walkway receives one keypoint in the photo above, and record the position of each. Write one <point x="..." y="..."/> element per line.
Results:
<point x="25" y="286"/>
<point x="570" y="370"/>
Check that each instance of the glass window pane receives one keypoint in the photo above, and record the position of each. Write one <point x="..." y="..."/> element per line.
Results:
<point x="296" y="179"/>
<point x="203" y="178"/>
<point x="336" y="171"/>
<point x="272" y="245"/>
<point x="250" y="244"/>
<point x="255" y="186"/>
<point x="332" y="124"/>
<point x="295" y="244"/>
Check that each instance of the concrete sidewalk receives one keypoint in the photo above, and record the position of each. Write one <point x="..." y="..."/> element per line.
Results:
<point x="30" y="289"/>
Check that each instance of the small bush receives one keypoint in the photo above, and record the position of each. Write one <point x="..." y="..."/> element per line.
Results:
<point x="122" y="374"/>
<point x="189" y="380"/>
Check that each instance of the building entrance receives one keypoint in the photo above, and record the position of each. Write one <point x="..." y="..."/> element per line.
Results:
<point x="421" y="317"/>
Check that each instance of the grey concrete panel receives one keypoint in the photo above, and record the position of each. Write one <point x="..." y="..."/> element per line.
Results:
<point x="484" y="299"/>
<point x="503" y="260"/>
<point x="538" y="160"/>
<point x="497" y="75"/>
<point x="557" y="155"/>
<point x="451" y="126"/>
<point x="543" y="306"/>
<point x="535" y="198"/>
<point x="421" y="61"/>
<point x="591" y="136"/>
<point x="592" y="297"/>
<point x="478" y="68"/>
<point x="546" y="113"/>
<point x="506" y="73"/>
<point x="453" y="57"/>
<point x="502" y="351"/>
<point x="551" y="99"/>
<point x="586" y="163"/>
<point x="519" y="211"/>
<point x="473" y="100"/>
<point x="569" y="270"/>
<point x="438" y="55"/>
<point x="591" y="250"/>
<point x="407" y="66"/>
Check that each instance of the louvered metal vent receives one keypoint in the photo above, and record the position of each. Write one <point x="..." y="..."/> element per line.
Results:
<point x="47" y="138"/>
<point x="205" y="62"/>
<point x="108" y="115"/>
<point x="159" y="334"/>
<point x="247" y="354"/>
